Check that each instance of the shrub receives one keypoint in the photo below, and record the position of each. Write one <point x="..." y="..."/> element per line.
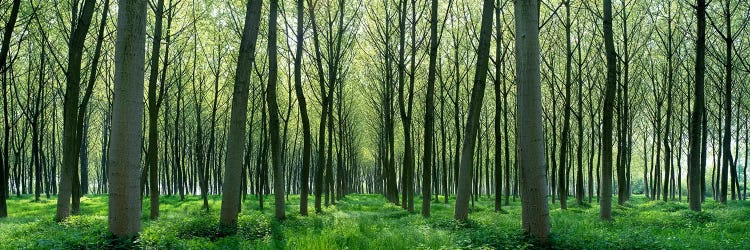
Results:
<point x="254" y="226"/>
<point x="201" y="226"/>
<point x="702" y="217"/>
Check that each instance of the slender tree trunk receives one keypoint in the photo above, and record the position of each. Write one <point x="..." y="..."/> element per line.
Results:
<point x="626" y="135"/>
<point x="5" y="166"/>
<point x="230" y="200"/>
<point x="703" y="151"/>
<point x="36" y="141"/>
<point x="580" y="191"/>
<point x="499" y="77"/>
<point x="273" y="112"/>
<point x="328" y="182"/>
<point x="320" y="163"/>
<point x="443" y="144"/>
<point x="69" y="185"/>
<point x="645" y="167"/>
<point x="727" y="131"/>
<point x="429" y="117"/>
<point x="563" y="180"/>
<point x="84" y="154"/>
<point x="747" y="151"/>
<point x="472" y="123"/>
<point x="694" y="170"/>
<point x="152" y="156"/>
<point x="605" y="211"/>
<point x="407" y="178"/>
<point x="306" y="137"/>
<point x="668" y="168"/>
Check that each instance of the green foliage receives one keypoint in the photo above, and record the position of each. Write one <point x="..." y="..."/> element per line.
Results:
<point x="698" y="217"/>
<point x="254" y="226"/>
<point x="368" y="222"/>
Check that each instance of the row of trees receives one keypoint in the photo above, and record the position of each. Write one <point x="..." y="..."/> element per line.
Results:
<point x="388" y="83"/>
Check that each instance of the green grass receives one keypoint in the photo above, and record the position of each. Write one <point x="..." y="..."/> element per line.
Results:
<point x="368" y="222"/>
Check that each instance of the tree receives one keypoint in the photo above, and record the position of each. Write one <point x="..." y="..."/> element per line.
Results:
<point x="380" y="34"/>
<point x="534" y="210"/>
<point x="499" y="77"/>
<point x="200" y="162"/>
<point x="5" y="166"/>
<point x="605" y="211"/>
<point x="728" y="37"/>
<point x="319" y="166"/>
<point x="463" y="194"/>
<point x="273" y="110"/>
<point x="334" y="32"/>
<point x="125" y="150"/>
<point x="563" y="178"/>
<point x="429" y="117"/>
<point x="82" y="130"/>
<point x="152" y="154"/>
<point x="694" y="170"/>
<point x="406" y="100"/>
<point x="69" y="183"/>
<point x="302" y="103"/>
<point x="230" y="200"/>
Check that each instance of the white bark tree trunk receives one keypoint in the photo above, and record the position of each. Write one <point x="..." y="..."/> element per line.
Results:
<point x="531" y="158"/>
<point x="125" y="149"/>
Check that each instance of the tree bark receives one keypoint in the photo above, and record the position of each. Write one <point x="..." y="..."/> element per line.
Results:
<point x="5" y="166"/>
<point x="152" y="155"/>
<point x="534" y="212"/>
<point x="499" y="77"/>
<point x="727" y="138"/>
<point x="273" y="112"/>
<point x="125" y="150"/>
<point x="306" y="137"/>
<point x="605" y="211"/>
<point x="472" y="123"/>
<point x="429" y="117"/>
<point x="694" y="165"/>
<point x="230" y="200"/>
<point x="563" y="178"/>
<point x="69" y="183"/>
<point x="319" y="166"/>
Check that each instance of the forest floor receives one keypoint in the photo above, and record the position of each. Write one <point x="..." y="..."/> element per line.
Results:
<point x="369" y="222"/>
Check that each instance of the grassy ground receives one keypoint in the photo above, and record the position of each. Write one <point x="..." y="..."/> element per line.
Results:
<point x="368" y="222"/>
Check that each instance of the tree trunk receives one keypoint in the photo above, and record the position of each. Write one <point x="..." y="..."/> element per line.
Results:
<point x="125" y="151"/>
<point x="472" y="123"/>
<point x="499" y="77"/>
<point x="320" y="163"/>
<point x="563" y="180"/>
<point x="535" y="213"/>
<point x="273" y="112"/>
<point x="580" y="191"/>
<point x="152" y="156"/>
<point x="694" y="165"/>
<point x="429" y="117"/>
<point x="306" y="137"/>
<point x="605" y="211"/>
<point x="230" y="200"/>
<point x="69" y="174"/>
<point x="405" y="103"/>
<point x="5" y="166"/>
<point x="727" y="138"/>
<point x="328" y="183"/>
<point x="668" y="168"/>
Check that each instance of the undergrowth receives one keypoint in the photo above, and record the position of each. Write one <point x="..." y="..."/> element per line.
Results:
<point x="369" y="222"/>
